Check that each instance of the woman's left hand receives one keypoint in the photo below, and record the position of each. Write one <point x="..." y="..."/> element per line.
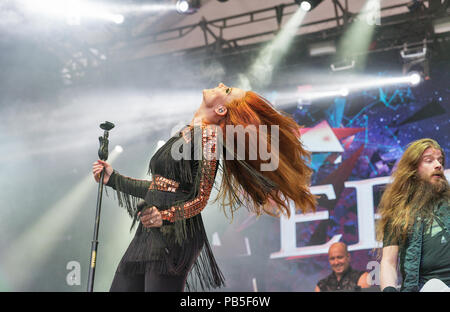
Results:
<point x="150" y="217"/>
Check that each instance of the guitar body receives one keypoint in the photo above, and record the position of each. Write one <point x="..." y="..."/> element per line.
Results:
<point x="435" y="285"/>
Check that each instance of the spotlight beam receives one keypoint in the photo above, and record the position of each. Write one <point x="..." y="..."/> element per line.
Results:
<point x="345" y="89"/>
<point x="117" y="237"/>
<point x="75" y="10"/>
<point x="261" y="70"/>
<point x="31" y="249"/>
<point x="356" y="40"/>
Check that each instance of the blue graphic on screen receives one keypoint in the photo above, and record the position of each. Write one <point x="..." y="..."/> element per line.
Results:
<point x="373" y="128"/>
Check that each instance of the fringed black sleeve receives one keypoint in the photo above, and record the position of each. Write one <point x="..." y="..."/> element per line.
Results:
<point x="129" y="191"/>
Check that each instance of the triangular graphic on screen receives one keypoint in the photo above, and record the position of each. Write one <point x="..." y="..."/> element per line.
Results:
<point x="317" y="160"/>
<point x="347" y="142"/>
<point x="321" y="139"/>
<point x="345" y="132"/>
<point x="431" y="110"/>
<point x="342" y="173"/>
<point x="334" y="158"/>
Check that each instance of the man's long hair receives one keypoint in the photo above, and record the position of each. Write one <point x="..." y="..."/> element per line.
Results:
<point x="243" y="181"/>
<point x="408" y="196"/>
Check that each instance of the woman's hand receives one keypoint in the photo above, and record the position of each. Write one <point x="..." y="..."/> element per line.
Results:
<point x="97" y="168"/>
<point x="150" y="217"/>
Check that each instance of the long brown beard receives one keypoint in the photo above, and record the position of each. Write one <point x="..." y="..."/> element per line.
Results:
<point x="426" y="196"/>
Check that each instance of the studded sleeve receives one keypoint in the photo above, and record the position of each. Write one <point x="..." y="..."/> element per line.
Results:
<point x="207" y="171"/>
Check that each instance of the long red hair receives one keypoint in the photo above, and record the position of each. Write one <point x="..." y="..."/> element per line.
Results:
<point x="269" y="192"/>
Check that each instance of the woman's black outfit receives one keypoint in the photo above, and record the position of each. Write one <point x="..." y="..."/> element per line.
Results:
<point x="159" y="259"/>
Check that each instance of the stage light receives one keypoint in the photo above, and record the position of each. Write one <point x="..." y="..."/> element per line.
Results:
<point x="117" y="18"/>
<point x="415" y="60"/>
<point x="187" y="6"/>
<point x="322" y="48"/>
<point x="345" y="64"/>
<point x="344" y="91"/>
<point x="118" y="149"/>
<point x="308" y="5"/>
<point x="182" y="6"/>
<point x="305" y="5"/>
<point x="73" y="11"/>
<point x="441" y="25"/>
<point x="413" y="53"/>
<point x="415" y="79"/>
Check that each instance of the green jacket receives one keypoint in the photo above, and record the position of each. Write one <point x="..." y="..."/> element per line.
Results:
<point x="411" y="252"/>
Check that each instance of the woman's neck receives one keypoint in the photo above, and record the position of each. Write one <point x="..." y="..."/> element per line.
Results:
<point x="196" y="121"/>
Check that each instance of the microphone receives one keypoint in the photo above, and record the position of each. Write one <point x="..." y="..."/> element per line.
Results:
<point x="103" y="154"/>
<point x="107" y="125"/>
<point x="103" y="150"/>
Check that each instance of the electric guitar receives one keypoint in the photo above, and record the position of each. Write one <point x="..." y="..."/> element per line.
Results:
<point x="435" y="285"/>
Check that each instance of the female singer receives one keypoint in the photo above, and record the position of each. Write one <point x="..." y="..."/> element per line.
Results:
<point x="171" y="241"/>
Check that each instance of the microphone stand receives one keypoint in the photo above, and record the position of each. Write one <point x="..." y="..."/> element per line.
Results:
<point x="103" y="154"/>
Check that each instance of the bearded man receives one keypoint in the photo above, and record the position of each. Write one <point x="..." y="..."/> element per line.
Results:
<point x="415" y="220"/>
